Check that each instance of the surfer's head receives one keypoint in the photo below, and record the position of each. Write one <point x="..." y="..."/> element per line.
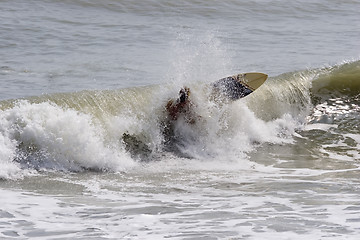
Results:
<point x="184" y="94"/>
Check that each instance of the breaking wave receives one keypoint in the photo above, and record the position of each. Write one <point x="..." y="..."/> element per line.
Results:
<point x="115" y="130"/>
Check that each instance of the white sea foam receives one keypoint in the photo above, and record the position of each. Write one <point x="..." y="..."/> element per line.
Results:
<point x="355" y="137"/>
<point x="8" y="168"/>
<point x="47" y="136"/>
<point x="320" y="126"/>
<point x="50" y="137"/>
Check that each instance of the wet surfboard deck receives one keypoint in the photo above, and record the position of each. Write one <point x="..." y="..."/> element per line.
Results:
<point x="239" y="86"/>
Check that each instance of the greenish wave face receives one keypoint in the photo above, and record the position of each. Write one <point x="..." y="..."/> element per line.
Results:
<point x="330" y="135"/>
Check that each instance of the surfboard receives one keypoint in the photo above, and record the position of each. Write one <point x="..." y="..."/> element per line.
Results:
<point x="238" y="86"/>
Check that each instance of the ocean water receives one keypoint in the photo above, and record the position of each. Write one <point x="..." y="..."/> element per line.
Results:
<point x="83" y="91"/>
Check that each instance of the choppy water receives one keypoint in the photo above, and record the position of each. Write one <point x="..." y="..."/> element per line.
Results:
<point x="282" y="163"/>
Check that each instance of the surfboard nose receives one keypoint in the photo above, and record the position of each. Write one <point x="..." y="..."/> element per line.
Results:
<point x="254" y="76"/>
<point x="264" y="75"/>
<point x="253" y="79"/>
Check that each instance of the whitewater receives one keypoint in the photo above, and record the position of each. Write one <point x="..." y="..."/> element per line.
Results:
<point x="84" y="85"/>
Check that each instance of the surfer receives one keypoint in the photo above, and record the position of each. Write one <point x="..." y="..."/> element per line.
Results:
<point x="181" y="106"/>
<point x="180" y="110"/>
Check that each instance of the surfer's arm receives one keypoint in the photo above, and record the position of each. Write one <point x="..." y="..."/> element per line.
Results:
<point x="169" y="103"/>
<point x="172" y="109"/>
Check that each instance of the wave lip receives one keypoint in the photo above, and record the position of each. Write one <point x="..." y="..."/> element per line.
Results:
<point x="343" y="79"/>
